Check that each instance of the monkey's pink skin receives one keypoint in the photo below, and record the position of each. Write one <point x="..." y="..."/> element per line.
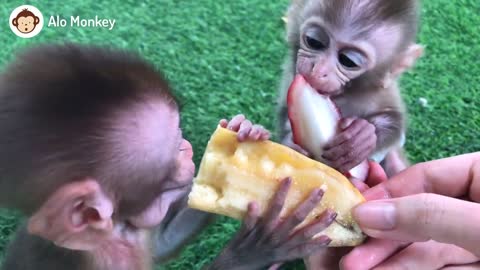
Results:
<point x="314" y="119"/>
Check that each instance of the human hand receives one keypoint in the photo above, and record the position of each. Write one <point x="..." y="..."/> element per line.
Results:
<point x="436" y="221"/>
<point x="263" y="241"/>
<point x="245" y="129"/>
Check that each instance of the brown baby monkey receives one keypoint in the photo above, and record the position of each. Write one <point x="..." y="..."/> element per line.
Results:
<point x="93" y="155"/>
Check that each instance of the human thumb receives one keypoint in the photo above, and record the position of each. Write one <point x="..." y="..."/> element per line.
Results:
<point x="422" y="217"/>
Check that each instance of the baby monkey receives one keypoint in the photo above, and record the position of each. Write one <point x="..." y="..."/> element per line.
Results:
<point x="354" y="51"/>
<point x="93" y="154"/>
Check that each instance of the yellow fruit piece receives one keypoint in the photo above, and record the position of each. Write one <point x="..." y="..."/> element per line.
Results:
<point x="232" y="174"/>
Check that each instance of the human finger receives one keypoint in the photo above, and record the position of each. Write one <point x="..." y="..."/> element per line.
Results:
<point x="370" y="254"/>
<point x="429" y="255"/>
<point x="453" y="177"/>
<point x="422" y="217"/>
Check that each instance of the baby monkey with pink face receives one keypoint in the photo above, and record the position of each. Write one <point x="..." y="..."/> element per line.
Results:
<point x="354" y="51"/>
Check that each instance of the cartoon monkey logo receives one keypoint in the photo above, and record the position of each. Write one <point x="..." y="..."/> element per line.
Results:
<point x="26" y="21"/>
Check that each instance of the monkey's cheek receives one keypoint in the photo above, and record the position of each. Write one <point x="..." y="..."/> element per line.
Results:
<point x="155" y="213"/>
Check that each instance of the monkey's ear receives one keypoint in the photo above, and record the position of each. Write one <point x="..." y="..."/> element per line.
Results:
<point x="407" y="59"/>
<point x="77" y="216"/>
<point x="14" y="22"/>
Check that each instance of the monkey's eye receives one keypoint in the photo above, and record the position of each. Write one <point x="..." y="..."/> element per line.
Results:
<point x="316" y="38"/>
<point x="351" y="59"/>
<point x="314" y="43"/>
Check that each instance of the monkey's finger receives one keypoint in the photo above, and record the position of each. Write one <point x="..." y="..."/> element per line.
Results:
<point x="309" y="248"/>
<point x="348" y="134"/>
<point x="343" y="152"/>
<point x="350" y="153"/>
<point x="223" y="123"/>
<point x="265" y="135"/>
<point x="236" y="121"/>
<point x="259" y="132"/>
<point x="343" y="159"/>
<point x="300" y="213"/>
<point x="276" y="205"/>
<point x="251" y="217"/>
<point x="317" y="226"/>
<point x="353" y="158"/>
<point x="254" y="134"/>
<point x="428" y="255"/>
<point x="244" y="130"/>
<point x="369" y="254"/>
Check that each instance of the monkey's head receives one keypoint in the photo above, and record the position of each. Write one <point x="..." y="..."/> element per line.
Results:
<point x="338" y="41"/>
<point x="26" y="21"/>
<point x="91" y="139"/>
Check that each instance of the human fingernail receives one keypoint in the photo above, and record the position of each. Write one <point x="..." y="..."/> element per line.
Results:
<point x="375" y="215"/>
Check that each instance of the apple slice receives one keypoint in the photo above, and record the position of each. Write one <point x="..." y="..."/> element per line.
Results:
<point x="314" y="119"/>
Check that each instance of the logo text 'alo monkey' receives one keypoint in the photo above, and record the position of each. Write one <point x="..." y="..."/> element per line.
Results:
<point x="77" y="21"/>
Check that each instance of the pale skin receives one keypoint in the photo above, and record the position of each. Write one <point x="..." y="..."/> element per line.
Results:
<point x="426" y="217"/>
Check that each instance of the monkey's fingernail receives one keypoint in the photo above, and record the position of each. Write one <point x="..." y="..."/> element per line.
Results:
<point x="241" y="136"/>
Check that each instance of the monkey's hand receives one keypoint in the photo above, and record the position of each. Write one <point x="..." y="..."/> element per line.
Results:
<point x="356" y="141"/>
<point x="263" y="241"/>
<point x="245" y="129"/>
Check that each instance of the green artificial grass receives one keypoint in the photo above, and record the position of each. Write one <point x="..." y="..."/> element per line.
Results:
<point x="224" y="58"/>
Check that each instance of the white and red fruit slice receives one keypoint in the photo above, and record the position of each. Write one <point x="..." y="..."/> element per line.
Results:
<point x="314" y="119"/>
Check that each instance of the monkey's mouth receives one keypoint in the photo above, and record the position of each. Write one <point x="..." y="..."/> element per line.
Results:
<point x="325" y="90"/>
<point x="329" y="93"/>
